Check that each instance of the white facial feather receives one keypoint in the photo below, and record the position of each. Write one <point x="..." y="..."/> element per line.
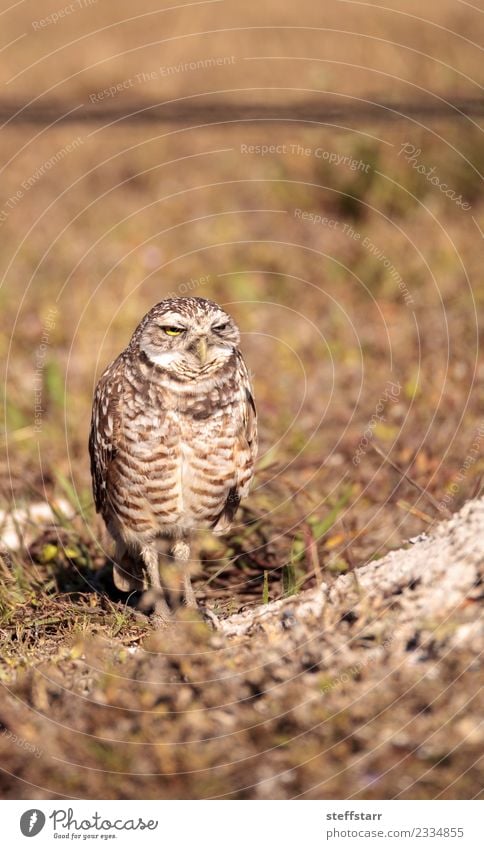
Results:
<point x="166" y="358"/>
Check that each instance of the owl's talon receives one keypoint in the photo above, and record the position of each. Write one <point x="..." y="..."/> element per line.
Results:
<point x="210" y="618"/>
<point x="160" y="621"/>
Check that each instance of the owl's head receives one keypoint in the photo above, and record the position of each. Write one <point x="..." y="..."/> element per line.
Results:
<point x="187" y="336"/>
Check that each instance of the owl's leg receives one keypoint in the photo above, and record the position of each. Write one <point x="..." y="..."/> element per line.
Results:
<point x="181" y="554"/>
<point x="149" y="554"/>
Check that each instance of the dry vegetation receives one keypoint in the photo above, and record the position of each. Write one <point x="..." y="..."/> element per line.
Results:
<point x="136" y="211"/>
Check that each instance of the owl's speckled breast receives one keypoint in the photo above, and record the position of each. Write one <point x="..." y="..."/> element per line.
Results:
<point x="180" y="457"/>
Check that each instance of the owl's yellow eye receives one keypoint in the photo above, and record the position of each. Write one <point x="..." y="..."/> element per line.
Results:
<point x="173" y="331"/>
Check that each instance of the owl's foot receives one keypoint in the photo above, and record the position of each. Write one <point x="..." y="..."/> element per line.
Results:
<point x="160" y="623"/>
<point x="153" y="603"/>
<point x="210" y="618"/>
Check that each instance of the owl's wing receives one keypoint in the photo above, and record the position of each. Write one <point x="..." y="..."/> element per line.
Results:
<point x="105" y="427"/>
<point x="245" y="453"/>
<point x="247" y="443"/>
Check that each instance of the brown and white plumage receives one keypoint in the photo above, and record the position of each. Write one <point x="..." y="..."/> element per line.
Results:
<point x="173" y="437"/>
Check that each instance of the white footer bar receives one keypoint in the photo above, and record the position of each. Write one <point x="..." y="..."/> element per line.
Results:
<point x="244" y="824"/>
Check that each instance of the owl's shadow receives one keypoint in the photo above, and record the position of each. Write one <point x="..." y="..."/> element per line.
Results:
<point x="74" y="580"/>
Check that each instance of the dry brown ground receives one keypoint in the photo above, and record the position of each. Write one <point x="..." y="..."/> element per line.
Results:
<point x="368" y="688"/>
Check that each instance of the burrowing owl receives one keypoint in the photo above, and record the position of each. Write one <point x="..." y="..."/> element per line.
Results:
<point x="173" y="439"/>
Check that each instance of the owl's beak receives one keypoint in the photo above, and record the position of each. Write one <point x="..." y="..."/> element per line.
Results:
<point x="202" y="350"/>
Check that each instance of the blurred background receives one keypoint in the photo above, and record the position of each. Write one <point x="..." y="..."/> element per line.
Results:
<point x="317" y="170"/>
